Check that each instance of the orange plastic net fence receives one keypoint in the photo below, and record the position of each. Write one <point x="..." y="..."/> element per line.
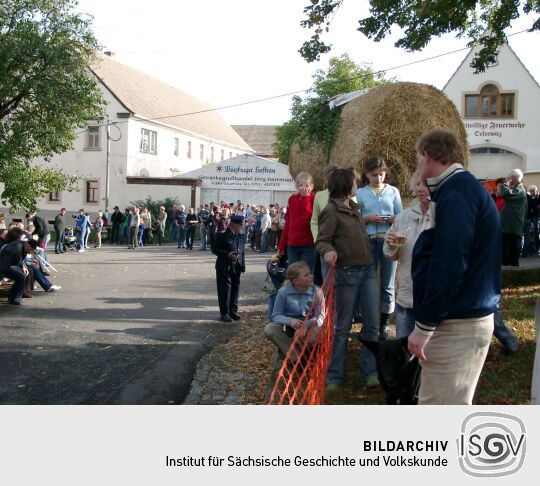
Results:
<point x="302" y="377"/>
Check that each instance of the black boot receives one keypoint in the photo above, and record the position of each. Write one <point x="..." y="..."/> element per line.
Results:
<point x="383" y="326"/>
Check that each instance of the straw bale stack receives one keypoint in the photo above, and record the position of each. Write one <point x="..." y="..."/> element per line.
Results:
<point x="386" y="121"/>
<point x="312" y="160"/>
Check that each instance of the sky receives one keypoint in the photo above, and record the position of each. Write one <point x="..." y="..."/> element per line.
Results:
<point x="227" y="52"/>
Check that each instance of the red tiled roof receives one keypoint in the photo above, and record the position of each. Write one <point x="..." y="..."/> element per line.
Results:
<point x="153" y="99"/>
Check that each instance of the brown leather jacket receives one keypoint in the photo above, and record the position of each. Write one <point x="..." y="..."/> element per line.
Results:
<point x="341" y="229"/>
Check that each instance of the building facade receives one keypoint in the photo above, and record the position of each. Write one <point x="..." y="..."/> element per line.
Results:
<point x="156" y="132"/>
<point x="499" y="108"/>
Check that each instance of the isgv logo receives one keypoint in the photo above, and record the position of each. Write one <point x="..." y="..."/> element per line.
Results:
<point x="491" y="444"/>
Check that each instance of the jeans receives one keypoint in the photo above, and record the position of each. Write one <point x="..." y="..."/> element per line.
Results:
<point x="140" y="233"/>
<point x="388" y="275"/>
<point x="352" y="283"/>
<point x="41" y="279"/>
<point x="181" y="236"/>
<point x="305" y="253"/>
<point x="16" y="274"/>
<point x="124" y="239"/>
<point x="503" y="333"/>
<point x="404" y="321"/>
<point x="204" y="237"/>
<point x="172" y="231"/>
<point x="324" y="268"/>
<point x="59" y="243"/>
<point x="81" y="238"/>
<point x="264" y="241"/>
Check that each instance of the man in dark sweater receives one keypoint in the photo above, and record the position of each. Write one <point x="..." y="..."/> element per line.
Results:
<point x="117" y="218"/>
<point x="59" y="226"/>
<point x="42" y="230"/>
<point x="456" y="274"/>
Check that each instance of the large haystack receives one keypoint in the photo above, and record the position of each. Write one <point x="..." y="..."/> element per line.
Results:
<point x="386" y="121"/>
<point x="312" y="160"/>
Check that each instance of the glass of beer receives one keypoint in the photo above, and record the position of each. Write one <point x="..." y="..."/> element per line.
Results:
<point x="400" y="239"/>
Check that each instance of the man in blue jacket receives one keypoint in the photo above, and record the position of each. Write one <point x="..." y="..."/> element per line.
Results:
<point x="456" y="274"/>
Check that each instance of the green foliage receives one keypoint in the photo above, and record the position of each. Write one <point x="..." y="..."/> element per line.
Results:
<point x="46" y="93"/>
<point x="482" y="21"/>
<point x="153" y="206"/>
<point x="312" y="121"/>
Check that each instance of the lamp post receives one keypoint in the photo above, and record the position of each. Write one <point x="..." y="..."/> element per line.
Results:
<point x="108" y="164"/>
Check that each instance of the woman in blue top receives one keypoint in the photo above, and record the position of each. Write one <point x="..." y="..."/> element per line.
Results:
<point x="297" y="300"/>
<point x="380" y="203"/>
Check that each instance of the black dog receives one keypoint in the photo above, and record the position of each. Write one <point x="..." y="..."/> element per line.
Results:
<point x="399" y="375"/>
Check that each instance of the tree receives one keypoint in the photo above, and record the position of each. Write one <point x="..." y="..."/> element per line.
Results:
<point x="311" y="118"/>
<point x="46" y="93"/>
<point x="482" y="21"/>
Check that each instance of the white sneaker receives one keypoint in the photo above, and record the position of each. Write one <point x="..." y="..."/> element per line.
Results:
<point x="54" y="288"/>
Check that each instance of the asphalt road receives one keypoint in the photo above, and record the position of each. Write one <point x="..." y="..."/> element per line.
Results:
<point x="128" y="327"/>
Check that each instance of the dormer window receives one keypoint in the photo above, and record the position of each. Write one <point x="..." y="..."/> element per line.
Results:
<point x="489" y="103"/>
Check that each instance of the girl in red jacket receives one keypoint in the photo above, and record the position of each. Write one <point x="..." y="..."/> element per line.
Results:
<point x="296" y="237"/>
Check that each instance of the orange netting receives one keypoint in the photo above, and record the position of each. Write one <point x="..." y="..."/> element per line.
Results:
<point x="302" y="377"/>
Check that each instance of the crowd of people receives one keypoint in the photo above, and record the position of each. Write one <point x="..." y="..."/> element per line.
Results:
<point x="138" y="227"/>
<point x="23" y="260"/>
<point x="449" y="245"/>
<point x="448" y="279"/>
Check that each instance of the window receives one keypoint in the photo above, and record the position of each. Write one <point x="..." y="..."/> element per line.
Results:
<point x="211" y="154"/>
<point x="189" y="149"/>
<point x="222" y="154"/>
<point x="489" y="103"/>
<point x="148" y="141"/>
<point x="201" y="152"/>
<point x="92" y="138"/>
<point x="489" y="150"/>
<point x="176" y="147"/>
<point x="54" y="196"/>
<point x="92" y="189"/>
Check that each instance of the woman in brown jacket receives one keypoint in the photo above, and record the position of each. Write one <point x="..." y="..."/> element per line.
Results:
<point x="343" y="243"/>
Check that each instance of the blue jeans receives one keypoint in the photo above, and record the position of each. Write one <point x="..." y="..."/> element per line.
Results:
<point x="59" y="243"/>
<point x="41" y="279"/>
<point x="352" y="283"/>
<point x="204" y="236"/>
<point x="81" y="238"/>
<point x="181" y="236"/>
<point x="388" y="275"/>
<point x="503" y="333"/>
<point x="264" y="241"/>
<point x="404" y="321"/>
<point x="140" y="233"/>
<point x="172" y="231"/>
<point x="324" y="268"/>
<point x="16" y="274"/>
<point x="125" y="235"/>
<point x="305" y="253"/>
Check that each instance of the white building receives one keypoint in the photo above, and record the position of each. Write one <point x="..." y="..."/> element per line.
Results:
<point x="500" y="109"/>
<point x="158" y="132"/>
